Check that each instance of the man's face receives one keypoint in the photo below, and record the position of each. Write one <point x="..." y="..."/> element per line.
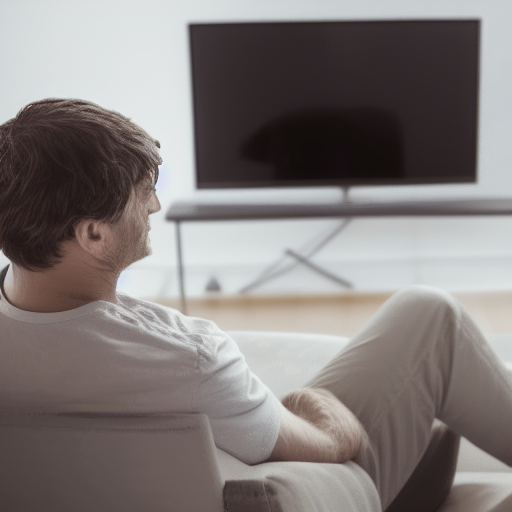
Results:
<point x="131" y="234"/>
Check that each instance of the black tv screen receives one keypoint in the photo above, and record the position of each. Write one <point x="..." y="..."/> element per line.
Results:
<point x="335" y="103"/>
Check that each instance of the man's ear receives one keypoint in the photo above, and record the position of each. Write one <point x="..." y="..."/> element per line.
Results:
<point x="92" y="236"/>
<point x="93" y="233"/>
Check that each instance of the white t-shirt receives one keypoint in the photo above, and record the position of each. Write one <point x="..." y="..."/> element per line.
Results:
<point x="135" y="356"/>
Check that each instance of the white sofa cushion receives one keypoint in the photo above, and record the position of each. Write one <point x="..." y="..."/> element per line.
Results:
<point x="285" y="361"/>
<point x="480" y="492"/>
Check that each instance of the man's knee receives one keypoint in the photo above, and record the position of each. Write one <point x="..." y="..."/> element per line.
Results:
<point x="428" y="297"/>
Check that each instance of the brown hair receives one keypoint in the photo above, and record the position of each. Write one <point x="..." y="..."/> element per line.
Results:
<point x="63" y="161"/>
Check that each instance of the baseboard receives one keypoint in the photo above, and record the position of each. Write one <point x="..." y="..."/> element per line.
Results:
<point x="371" y="275"/>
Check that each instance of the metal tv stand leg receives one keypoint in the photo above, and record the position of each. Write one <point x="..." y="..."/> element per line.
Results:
<point x="274" y="271"/>
<point x="181" y="276"/>
<point x="320" y="270"/>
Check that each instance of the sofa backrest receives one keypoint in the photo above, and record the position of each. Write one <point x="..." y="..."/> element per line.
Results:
<point x="84" y="463"/>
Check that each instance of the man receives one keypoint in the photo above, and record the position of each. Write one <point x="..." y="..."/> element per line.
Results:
<point x="77" y="187"/>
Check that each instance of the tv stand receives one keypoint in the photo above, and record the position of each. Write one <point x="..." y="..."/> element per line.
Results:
<point x="195" y="211"/>
<point x="344" y="195"/>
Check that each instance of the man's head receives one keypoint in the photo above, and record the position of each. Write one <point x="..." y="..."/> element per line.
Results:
<point x="64" y="163"/>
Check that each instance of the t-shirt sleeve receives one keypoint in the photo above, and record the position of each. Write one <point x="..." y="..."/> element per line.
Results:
<point x="244" y="414"/>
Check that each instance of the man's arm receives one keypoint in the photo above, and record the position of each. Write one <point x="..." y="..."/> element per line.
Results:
<point x="317" y="427"/>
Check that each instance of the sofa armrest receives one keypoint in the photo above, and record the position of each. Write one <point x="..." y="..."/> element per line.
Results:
<point x="297" y="486"/>
<point x="432" y="479"/>
<point x="94" y="462"/>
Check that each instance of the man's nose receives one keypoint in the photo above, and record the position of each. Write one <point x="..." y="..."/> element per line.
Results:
<point x="154" y="204"/>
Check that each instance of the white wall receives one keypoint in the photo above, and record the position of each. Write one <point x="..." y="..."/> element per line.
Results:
<point x="132" y="56"/>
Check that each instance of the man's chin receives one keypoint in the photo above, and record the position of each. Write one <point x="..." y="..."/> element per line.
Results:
<point x="148" y="248"/>
<point x="143" y="253"/>
<point x="139" y="255"/>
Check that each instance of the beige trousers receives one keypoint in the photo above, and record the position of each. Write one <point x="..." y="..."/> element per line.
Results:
<point x="420" y="357"/>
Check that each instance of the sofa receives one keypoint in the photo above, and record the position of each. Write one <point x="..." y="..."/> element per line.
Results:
<point x="168" y="462"/>
<point x="481" y="482"/>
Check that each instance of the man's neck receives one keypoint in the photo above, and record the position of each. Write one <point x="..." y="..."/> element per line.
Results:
<point x="68" y="285"/>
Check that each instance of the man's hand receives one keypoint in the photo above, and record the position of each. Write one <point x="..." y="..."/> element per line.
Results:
<point x="317" y="427"/>
<point x="322" y="409"/>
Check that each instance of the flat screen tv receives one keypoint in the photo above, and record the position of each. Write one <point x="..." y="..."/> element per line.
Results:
<point x="341" y="103"/>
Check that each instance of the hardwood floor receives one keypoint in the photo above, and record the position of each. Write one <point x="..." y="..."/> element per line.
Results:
<point x="330" y="314"/>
